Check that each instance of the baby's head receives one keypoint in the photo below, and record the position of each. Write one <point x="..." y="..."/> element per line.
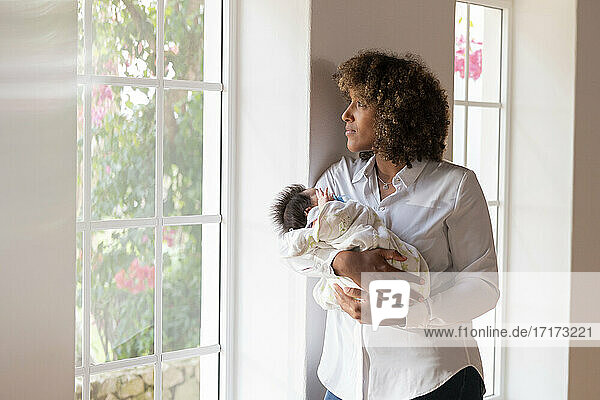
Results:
<point x="291" y="207"/>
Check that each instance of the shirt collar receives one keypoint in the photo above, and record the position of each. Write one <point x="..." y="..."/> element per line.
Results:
<point x="407" y="175"/>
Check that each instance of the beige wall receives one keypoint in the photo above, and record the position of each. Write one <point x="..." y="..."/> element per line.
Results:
<point x="37" y="201"/>
<point x="339" y="28"/>
<point x="584" y="363"/>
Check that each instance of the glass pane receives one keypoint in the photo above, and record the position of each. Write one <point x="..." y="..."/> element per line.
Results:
<point x="493" y="210"/>
<point x="132" y="383"/>
<point x="485" y="52"/>
<point x="78" y="388"/>
<point x="458" y="135"/>
<point x="80" y="42"/>
<point x="123" y="151"/>
<point x="190" y="286"/>
<point x="486" y="348"/>
<point x="122" y="303"/>
<point x="78" y="298"/>
<point x="193" y="40"/>
<point x="193" y="378"/>
<point x="191" y="153"/>
<point x="184" y="39"/>
<point x="482" y="148"/>
<point x="80" y="133"/>
<point x="124" y="38"/>
<point x="460" y="38"/>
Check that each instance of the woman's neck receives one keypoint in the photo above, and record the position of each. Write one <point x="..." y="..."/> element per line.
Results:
<point x="386" y="169"/>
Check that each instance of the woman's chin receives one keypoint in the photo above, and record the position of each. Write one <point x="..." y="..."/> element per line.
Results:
<point x="354" y="148"/>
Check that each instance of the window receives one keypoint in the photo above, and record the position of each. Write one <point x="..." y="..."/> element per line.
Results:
<point x="148" y="199"/>
<point x="479" y="134"/>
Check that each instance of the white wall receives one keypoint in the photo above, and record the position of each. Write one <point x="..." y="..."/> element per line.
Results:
<point x="272" y="151"/>
<point x="339" y="28"/>
<point x="37" y="202"/>
<point x="540" y="179"/>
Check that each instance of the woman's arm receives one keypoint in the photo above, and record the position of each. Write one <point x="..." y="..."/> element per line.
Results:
<point x="475" y="289"/>
<point x="471" y="245"/>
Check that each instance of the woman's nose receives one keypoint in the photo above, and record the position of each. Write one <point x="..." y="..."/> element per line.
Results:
<point x="347" y="115"/>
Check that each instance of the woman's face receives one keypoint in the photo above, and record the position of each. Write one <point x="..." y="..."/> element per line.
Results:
<point x="359" y="119"/>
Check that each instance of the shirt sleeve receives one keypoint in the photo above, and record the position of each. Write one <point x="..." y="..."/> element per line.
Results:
<point x="317" y="263"/>
<point x="471" y="243"/>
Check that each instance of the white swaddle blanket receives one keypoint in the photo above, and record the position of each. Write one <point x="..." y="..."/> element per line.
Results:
<point x="345" y="226"/>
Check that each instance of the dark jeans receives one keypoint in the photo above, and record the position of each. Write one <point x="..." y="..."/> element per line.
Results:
<point x="466" y="384"/>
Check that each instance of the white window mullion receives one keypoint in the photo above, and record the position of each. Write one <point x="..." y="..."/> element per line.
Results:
<point x="193" y="85"/>
<point x="87" y="190"/>
<point x="467" y="62"/>
<point x="149" y="82"/>
<point x="160" y="95"/>
<point x="478" y="103"/>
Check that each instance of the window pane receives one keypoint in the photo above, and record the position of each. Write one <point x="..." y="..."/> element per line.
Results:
<point x="78" y="298"/>
<point x="80" y="133"/>
<point x="78" y="388"/>
<point x="184" y="39"/>
<point x="484" y="57"/>
<point x="194" y="378"/>
<point x="460" y="38"/>
<point x="482" y="148"/>
<point x="122" y="303"/>
<point x="80" y="42"/>
<point x="123" y="152"/>
<point x="124" y="38"/>
<point x="191" y="153"/>
<point x="458" y="135"/>
<point x="193" y="40"/>
<point x="133" y="383"/>
<point x="190" y="286"/>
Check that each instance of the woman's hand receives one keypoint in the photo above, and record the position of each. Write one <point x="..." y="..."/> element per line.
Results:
<point x="352" y="263"/>
<point x="355" y="303"/>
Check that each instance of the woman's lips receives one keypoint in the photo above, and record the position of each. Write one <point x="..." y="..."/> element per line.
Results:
<point x="350" y="132"/>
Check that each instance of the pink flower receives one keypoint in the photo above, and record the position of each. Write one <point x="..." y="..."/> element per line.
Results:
<point x="475" y="58"/>
<point x="151" y="278"/>
<point x="137" y="279"/>
<point x="169" y="236"/>
<point x="120" y="279"/>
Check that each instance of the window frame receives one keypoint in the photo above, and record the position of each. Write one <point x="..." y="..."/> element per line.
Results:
<point x="500" y="203"/>
<point x="85" y="226"/>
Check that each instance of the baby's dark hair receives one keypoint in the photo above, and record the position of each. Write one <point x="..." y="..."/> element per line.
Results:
<point x="288" y="209"/>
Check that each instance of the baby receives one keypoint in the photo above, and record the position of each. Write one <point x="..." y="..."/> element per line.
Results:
<point x="311" y="218"/>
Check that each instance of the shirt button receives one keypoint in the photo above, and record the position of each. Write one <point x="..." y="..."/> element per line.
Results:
<point x="381" y="208"/>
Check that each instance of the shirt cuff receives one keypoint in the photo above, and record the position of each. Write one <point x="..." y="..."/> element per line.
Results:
<point x="328" y="264"/>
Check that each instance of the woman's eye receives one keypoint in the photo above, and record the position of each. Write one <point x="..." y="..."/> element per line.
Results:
<point x="360" y="104"/>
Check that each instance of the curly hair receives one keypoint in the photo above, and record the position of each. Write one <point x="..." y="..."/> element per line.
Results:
<point x="412" y="114"/>
<point x="288" y="209"/>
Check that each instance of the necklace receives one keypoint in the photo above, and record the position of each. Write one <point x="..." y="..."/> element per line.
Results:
<point x="386" y="185"/>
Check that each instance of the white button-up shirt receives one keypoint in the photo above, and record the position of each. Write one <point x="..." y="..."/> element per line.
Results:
<point x="439" y="208"/>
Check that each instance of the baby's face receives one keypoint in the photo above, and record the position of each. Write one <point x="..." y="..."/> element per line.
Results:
<point x="312" y="193"/>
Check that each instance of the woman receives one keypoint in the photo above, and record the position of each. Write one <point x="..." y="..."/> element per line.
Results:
<point x="397" y="120"/>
